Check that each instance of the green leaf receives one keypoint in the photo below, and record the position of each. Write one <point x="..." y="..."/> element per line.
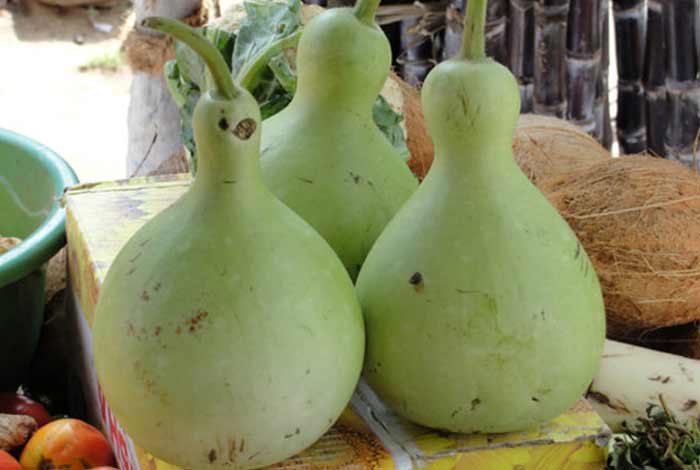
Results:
<point x="389" y="122"/>
<point x="265" y="23"/>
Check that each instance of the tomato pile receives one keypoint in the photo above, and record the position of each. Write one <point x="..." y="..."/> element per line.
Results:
<point x="65" y="443"/>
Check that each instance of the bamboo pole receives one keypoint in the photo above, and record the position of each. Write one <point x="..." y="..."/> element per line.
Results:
<point x="453" y="28"/>
<point x="496" y="29"/>
<point x="583" y="62"/>
<point x="603" y="126"/>
<point x="416" y="58"/>
<point x="521" y="49"/>
<point x="655" y="79"/>
<point x="682" y="85"/>
<point x="549" y="95"/>
<point x="630" y="32"/>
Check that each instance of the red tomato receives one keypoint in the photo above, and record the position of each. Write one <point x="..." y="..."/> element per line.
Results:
<point x="68" y="444"/>
<point x="15" y="404"/>
<point x="8" y="462"/>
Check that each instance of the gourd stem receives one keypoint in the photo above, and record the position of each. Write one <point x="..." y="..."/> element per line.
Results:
<point x="209" y="54"/>
<point x="365" y="10"/>
<point x="248" y="74"/>
<point x="473" y="47"/>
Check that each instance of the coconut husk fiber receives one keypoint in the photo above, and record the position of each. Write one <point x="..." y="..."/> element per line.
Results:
<point x="638" y="218"/>
<point x="546" y="146"/>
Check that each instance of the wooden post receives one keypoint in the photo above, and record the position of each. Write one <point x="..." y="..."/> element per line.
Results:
<point x="153" y="120"/>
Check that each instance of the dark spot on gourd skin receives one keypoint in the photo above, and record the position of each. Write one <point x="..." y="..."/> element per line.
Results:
<point x="145" y="297"/>
<point x="475" y="402"/>
<point x="416" y="281"/>
<point x="223" y="124"/>
<point x="305" y="180"/>
<point x="245" y="129"/>
<point x="535" y="399"/>
<point x="194" y="323"/>
<point x="212" y="456"/>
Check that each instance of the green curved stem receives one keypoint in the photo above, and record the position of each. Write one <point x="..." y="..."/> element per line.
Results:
<point x="215" y="62"/>
<point x="473" y="47"/>
<point x="248" y="74"/>
<point x="365" y="10"/>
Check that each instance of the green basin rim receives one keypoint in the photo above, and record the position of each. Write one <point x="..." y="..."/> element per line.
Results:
<point x="49" y="237"/>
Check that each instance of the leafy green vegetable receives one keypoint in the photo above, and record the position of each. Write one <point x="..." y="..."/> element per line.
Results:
<point x="389" y="122"/>
<point x="657" y="442"/>
<point x="266" y="21"/>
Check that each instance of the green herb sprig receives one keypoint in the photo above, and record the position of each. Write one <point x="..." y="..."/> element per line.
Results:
<point x="657" y="442"/>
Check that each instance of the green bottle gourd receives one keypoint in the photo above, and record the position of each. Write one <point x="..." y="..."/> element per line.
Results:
<point x="482" y="310"/>
<point x="227" y="332"/>
<point x="323" y="155"/>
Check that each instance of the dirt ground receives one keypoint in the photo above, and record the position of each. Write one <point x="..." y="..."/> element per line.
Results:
<point x="64" y="83"/>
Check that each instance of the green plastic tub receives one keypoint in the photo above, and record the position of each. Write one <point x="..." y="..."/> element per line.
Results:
<point x="32" y="181"/>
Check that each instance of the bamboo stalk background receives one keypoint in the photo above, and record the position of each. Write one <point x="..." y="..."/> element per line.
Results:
<point x="583" y="62"/>
<point x="630" y="31"/>
<point x="521" y="52"/>
<point x="549" y="95"/>
<point x="603" y="126"/>
<point x="655" y="79"/>
<point x="558" y="50"/>
<point x="682" y="86"/>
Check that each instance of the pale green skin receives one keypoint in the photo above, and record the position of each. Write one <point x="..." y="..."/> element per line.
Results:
<point x="323" y="156"/>
<point x="276" y="358"/>
<point x="506" y="329"/>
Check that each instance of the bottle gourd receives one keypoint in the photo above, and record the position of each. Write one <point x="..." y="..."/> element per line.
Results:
<point x="482" y="310"/>
<point x="323" y="155"/>
<point x="227" y="333"/>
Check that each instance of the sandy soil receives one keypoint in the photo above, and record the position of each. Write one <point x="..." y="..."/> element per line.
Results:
<point x="44" y="94"/>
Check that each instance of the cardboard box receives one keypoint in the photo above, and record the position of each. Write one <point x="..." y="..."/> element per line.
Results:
<point x="368" y="436"/>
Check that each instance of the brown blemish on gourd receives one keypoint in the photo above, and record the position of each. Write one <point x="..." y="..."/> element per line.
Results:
<point x="416" y="281"/>
<point x="130" y="329"/>
<point x="355" y="177"/>
<point x="157" y="287"/>
<point x="242" y="446"/>
<point x="245" y="129"/>
<point x="135" y="257"/>
<point x="145" y="297"/>
<point x="212" y="456"/>
<point x="223" y="124"/>
<point x="157" y="330"/>
<point x="195" y="323"/>
<point x="475" y="402"/>
<point x="658" y="378"/>
<point x="144" y="243"/>
<point x="178" y="330"/>
<point x="535" y="399"/>
<point x="305" y="180"/>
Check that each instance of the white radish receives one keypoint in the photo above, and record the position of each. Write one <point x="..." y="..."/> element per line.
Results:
<point x="631" y="377"/>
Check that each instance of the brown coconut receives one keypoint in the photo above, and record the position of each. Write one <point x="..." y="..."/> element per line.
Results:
<point x="638" y="218"/>
<point x="546" y="146"/>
